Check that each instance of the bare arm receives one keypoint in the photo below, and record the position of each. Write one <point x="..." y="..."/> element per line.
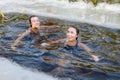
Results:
<point x="52" y="42"/>
<point x="57" y="41"/>
<point x="21" y="36"/>
<point x="89" y="51"/>
<point x="85" y="47"/>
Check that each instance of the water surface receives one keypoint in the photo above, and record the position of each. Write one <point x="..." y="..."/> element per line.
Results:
<point x="99" y="29"/>
<point x="104" y="41"/>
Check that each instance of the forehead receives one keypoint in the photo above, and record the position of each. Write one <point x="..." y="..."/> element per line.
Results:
<point x="72" y="29"/>
<point x="34" y="18"/>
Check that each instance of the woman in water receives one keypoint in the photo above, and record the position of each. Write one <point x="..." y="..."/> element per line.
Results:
<point x="34" y="30"/>
<point x="72" y="41"/>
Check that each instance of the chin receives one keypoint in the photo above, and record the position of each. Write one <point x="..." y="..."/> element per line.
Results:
<point x="70" y="40"/>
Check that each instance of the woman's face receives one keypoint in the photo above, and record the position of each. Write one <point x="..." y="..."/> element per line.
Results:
<point x="71" y="34"/>
<point x="35" y="22"/>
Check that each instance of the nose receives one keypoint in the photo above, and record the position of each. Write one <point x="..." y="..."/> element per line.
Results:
<point x="68" y="34"/>
<point x="37" y="22"/>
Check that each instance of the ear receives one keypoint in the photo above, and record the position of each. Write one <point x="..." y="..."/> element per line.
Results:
<point x="76" y="35"/>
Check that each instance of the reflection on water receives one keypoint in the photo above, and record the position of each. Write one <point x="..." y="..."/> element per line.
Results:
<point x="59" y="62"/>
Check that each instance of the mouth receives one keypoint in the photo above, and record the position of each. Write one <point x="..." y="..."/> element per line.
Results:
<point x="69" y="38"/>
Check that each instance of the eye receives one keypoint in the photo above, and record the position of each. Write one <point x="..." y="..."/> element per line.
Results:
<point x="37" y="20"/>
<point x="72" y="32"/>
<point x="33" y="20"/>
<point x="67" y="31"/>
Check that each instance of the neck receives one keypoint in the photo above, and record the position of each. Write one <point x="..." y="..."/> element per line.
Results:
<point x="35" y="30"/>
<point x="71" y="43"/>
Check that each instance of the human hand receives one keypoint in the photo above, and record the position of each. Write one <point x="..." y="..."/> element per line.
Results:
<point x="45" y="44"/>
<point x="95" y="58"/>
<point x="19" y="34"/>
<point x="13" y="46"/>
<point x="15" y="43"/>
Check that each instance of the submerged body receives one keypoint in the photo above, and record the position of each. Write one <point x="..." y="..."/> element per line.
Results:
<point x="35" y="32"/>
<point x="72" y="42"/>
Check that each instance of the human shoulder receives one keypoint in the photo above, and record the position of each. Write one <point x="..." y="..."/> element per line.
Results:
<point x="26" y="32"/>
<point x="80" y="44"/>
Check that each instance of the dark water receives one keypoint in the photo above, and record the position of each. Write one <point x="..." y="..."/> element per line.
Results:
<point x="57" y="61"/>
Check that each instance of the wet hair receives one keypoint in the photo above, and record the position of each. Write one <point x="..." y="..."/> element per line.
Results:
<point x="30" y="19"/>
<point x="77" y="30"/>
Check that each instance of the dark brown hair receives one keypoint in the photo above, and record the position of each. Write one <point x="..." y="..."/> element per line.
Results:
<point x="30" y="19"/>
<point x="77" y="30"/>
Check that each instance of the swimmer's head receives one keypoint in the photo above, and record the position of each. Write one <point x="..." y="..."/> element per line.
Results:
<point x="72" y="33"/>
<point x="34" y="21"/>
